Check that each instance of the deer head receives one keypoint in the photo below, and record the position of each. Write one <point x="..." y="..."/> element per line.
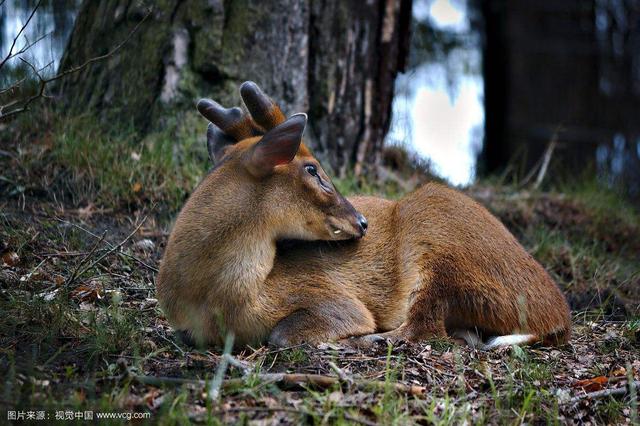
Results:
<point x="262" y="154"/>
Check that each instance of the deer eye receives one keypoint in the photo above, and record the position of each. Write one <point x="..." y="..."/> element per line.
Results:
<point x="311" y="169"/>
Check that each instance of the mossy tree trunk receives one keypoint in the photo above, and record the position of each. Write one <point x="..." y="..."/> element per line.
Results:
<point x="335" y="59"/>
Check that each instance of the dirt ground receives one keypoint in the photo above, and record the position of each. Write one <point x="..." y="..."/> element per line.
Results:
<point x="81" y="330"/>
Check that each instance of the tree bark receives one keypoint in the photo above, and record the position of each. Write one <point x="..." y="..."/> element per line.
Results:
<point x="335" y="59"/>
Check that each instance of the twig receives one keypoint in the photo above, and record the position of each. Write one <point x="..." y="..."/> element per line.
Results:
<point x="606" y="392"/>
<point x="175" y="345"/>
<point x="114" y="248"/>
<point x="246" y="367"/>
<point x="277" y="351"/>
<point x="341" y="374"/>
<point x="294" y="380"/>
<point x="290" y="410"/>
<point x="15" y="40"/>
<point x="44" y="81"/>
<point x="216" y="383"/>
<point x="28" y="46"/>
<point x="34" y="270"/>
<point x="545" y="162"/>
<point x="84" y="260"/>
<point x="130" y="256"/>
<point x="17" y="84"/>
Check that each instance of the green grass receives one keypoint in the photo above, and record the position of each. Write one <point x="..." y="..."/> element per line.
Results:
<point x="587" y="248"/>
<point x="352" y="185"/>
<point x="604" y="202"/>
<point x="81" y="160"/>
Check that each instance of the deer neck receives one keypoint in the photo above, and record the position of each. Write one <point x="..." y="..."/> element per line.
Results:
<point x="243" y="261"/>
<point x="236" y="247"/>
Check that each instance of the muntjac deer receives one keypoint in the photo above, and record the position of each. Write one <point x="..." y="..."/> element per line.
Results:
<point x="433" y="263"/>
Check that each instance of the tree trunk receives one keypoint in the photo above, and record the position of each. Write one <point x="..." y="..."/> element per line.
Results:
<point x="335" y="59"/>
<point x="567" y="71"/>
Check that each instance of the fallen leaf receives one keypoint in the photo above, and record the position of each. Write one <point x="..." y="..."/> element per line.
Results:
<point x="89" y="292"/>
<point x="48" y="296"/>
<point x="592" y="385"/>
<point x="87" y="306"/>
<point x="86" y="212"/>
<point x="618" y="372"/>
<point x="10" y="258"/>
<point x="144" y="245"/>
<point x="149" y="302"/>
<point x="153" y="398"/>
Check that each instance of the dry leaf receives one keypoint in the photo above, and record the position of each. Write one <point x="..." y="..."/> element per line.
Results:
<point x="48" y="296"/>
<point x="10" y="258"/>
<point x="592" y="385"/>
<point x="89" y="292"/>
<point x="86" y="212"/>
<point x="153" y="398"/>
<point x="618" y="372"/>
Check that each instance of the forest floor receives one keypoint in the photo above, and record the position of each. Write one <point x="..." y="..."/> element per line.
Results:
<point x="82" y="231"/>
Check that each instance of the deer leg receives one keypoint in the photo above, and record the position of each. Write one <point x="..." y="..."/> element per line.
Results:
<point x="425" y="320"/>
<point x="328" y="320"/>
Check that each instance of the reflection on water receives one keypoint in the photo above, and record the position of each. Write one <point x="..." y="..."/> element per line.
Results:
<point x="438" y="111"/>
<point x="48" y="30"/>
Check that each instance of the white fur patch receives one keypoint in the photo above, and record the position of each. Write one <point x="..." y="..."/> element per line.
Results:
<point x="471" y="338"/>
<point x="508" y="340"/>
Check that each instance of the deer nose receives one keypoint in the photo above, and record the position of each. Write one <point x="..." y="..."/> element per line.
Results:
<point x="362" y="221"/>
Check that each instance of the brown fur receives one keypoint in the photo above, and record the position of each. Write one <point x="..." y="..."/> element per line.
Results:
<point x="431" y="262"/>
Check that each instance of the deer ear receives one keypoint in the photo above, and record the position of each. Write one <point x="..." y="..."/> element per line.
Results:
<point x="217" y="142"/>
<point x="278" y="146"/>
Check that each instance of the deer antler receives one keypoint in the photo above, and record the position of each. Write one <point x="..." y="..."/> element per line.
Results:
<point x="235" y="123"/>
<point x="232" y="121"/>
<point x="265" y="112"/>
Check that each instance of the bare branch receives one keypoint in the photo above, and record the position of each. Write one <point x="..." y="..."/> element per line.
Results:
<point x="15" y="40"/>
<point x="548" y="153"/>
<point x="607" y="392"/>
<point x="543" y="163"/>
<point x="27" y="46"/>
<point x="341" y="374"/>
<point x="285" y="380"/>
<point x="44" y="81"/>
<point x="107" y="253"/>
<point x="18" y="83"/>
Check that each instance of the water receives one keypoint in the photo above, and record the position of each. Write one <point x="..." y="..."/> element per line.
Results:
<point x="438" y="111"/>
<point x="49" y="29"/>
